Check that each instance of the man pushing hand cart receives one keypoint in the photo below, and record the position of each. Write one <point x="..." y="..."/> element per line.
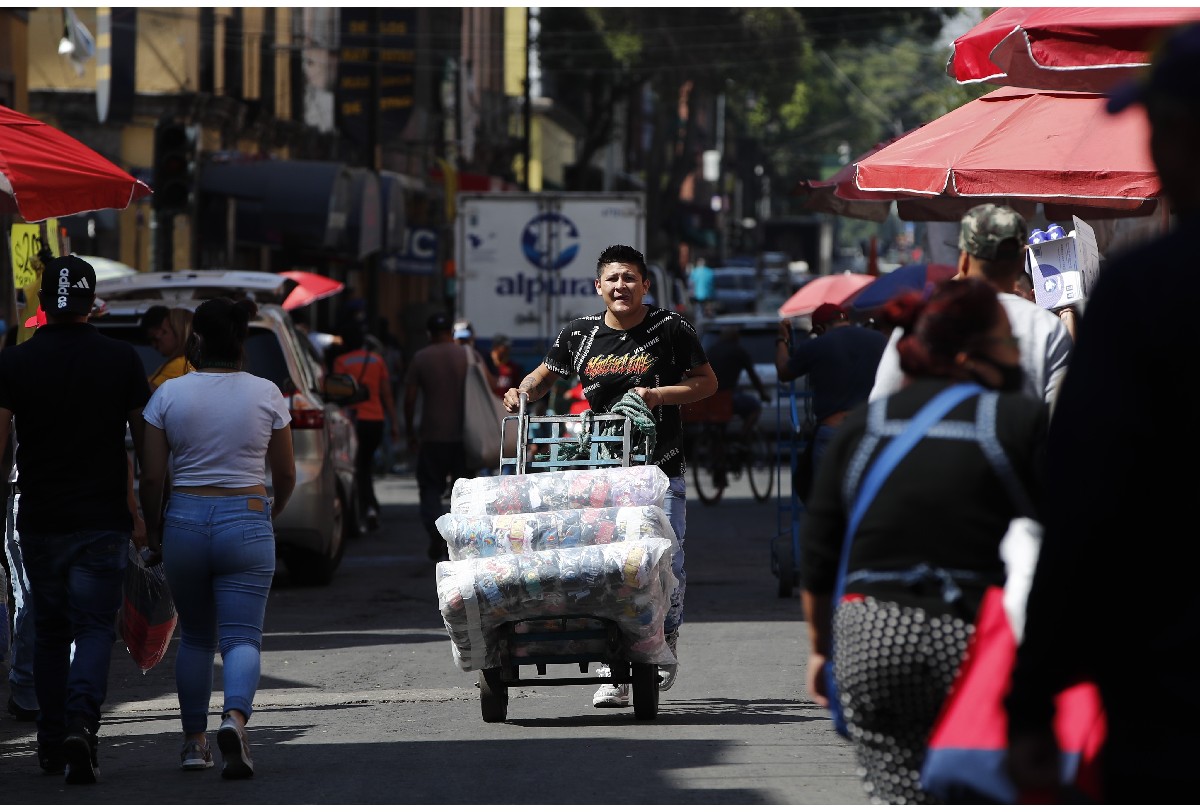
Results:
<point x="633" y="349"/>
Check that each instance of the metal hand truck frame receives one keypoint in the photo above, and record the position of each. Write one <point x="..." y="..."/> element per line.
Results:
<point x="608" y="438"/>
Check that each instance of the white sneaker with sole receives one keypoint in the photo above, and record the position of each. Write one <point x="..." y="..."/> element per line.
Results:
<point x="610" y="696"/>
<point x="667" y="673"/>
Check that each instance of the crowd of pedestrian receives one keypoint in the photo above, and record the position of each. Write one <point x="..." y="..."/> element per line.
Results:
<point x="973" y="408"/>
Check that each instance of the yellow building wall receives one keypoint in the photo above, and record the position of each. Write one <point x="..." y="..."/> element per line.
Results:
<point x="516" y="60"/>
<point x="167" y="59"/>
<point x="552" y="148"/>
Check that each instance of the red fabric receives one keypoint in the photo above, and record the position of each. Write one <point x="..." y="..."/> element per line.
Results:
<point x="1025" y="144"/>
<point x="1086" y="48"/>
<point x="310" y="287"/>
<point x="53" y="175"/>
<point x="973" y="719"/>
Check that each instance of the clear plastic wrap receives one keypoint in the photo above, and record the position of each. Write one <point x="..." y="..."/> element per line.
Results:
<point x="485" y="536"/>
<point x="627" y="582"/>
<point x="559" y="490"/>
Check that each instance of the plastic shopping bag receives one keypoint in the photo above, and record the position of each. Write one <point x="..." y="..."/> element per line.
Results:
<point x="148" y="614"/>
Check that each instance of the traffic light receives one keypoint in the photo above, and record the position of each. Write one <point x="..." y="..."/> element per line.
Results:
<point x="174" y="163"/>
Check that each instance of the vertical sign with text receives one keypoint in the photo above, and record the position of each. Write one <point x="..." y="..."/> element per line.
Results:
<point x="376" y="68"/>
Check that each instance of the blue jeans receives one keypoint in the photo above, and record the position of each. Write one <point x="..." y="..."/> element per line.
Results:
<point x="821" y="439"/>
<point x="77" y="581"/>
<point x="675" y="506"/>
<point x="20" y="671"/>
<point x="219" y="556"/>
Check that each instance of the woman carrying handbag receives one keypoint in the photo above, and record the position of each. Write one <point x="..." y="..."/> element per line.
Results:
<point x="897" y="561"/>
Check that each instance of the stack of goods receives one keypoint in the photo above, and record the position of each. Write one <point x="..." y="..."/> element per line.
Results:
<point x="568" y="551"/>
<point x="560" y="490"/>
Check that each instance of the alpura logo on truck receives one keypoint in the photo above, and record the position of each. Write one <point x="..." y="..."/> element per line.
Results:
<point x="550" y="254"/>
<point x="547" y="254"/>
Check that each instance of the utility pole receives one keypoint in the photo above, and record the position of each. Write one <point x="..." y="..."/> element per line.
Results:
<point x="371" y="264"/>
<point x="528" y="110"/>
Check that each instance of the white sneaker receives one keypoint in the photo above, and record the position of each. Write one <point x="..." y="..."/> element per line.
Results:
<point x="610" y="696"/>
<point x="667" y="673"/>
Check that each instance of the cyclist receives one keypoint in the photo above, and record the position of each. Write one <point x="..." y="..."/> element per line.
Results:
<point x="728" y="359"/>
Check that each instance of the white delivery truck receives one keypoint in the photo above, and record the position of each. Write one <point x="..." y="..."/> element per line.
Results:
<point x="526" y="262"/>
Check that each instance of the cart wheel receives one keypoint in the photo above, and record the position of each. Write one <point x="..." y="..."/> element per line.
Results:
<point x="493" y="695"/>
<point x="645" y="691"/>
<point x="786" y="570"/>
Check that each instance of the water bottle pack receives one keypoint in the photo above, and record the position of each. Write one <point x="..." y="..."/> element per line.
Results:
<point x="559" y="490"/>
<point x="628" y="582"/>
<point x="1053" y="232"/>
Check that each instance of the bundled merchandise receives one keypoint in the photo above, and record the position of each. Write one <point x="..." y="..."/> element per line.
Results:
<point x="639" y="485"/>
<point x="485" y="536"/>
<point x="148" y="615"/>
<point x="628" y="582"/>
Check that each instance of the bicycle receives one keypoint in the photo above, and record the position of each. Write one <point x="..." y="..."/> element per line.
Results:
<point x="718" y="454"/>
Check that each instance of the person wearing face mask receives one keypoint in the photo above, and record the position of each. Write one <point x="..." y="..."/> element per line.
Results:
<point x="928" y="543"/>
<point x="992" y="246"/>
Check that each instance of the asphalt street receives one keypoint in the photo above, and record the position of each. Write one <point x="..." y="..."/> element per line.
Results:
<point x="360" y="701"/>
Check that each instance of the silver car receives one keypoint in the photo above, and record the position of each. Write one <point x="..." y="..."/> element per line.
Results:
<point x="325" y="508"/>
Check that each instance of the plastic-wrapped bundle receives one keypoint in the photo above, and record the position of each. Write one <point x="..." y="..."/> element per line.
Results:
<point x="627" y="582"/>
<point x="484" y="536"/>
<point x="559" y="490"/>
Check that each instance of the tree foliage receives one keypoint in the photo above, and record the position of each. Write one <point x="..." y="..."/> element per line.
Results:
<point x="797" y="84"/>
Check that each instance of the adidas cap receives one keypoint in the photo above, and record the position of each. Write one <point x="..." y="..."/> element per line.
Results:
<point x="68" y="286"/>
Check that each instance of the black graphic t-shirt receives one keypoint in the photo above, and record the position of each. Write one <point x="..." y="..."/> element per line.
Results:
<point x="611" y="362"/>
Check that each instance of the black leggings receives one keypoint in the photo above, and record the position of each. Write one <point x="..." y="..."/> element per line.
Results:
<point x="370" y="435"/>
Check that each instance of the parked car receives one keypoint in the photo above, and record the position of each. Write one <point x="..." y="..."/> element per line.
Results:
<point x="735" y="290"/>
<point x="325" y="507"/>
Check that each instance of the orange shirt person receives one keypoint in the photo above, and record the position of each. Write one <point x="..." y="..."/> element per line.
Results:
<point x="371" y="416"/>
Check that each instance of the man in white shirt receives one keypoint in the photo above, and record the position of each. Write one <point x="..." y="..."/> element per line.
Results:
<point x="992" y="247"/>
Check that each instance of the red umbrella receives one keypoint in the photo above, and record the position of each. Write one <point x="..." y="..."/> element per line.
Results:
<point x="1087" y="48"/>
<point x="1052" y="147"/>
<point x="310" y="287"/>
<point x="46" y="173"/>
<point x="835" y="288"/>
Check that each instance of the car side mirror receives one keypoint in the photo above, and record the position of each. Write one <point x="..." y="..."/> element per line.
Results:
<point x="343" y="389"/>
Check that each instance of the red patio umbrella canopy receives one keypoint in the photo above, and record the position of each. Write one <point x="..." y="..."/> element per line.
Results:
<point x="1088" y="48"/>
<point x="834" y="288"/>
<point x="310" y="287"/>
<point x="46" y="173"/>
<point x="1045" y="146"/>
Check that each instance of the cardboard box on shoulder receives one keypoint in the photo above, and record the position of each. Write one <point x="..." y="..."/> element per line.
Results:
<point x="1064" y="271"/>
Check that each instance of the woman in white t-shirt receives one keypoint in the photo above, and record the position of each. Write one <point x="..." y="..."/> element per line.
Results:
<point x="217" y="425"/>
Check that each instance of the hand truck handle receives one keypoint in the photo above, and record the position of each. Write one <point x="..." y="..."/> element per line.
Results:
<point x="524" y="402"/>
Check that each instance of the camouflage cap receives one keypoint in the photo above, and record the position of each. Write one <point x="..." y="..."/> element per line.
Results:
<point x="986" y="228"/>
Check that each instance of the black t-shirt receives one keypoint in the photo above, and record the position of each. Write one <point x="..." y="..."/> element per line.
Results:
<point x="609" y="363"/>
<point x="71" y="390"/>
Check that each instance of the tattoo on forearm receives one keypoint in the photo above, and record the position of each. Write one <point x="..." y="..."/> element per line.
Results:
<point x="532" y="386"/>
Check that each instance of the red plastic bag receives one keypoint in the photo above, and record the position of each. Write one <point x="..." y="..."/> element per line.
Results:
<point x="148" y="613"/>
<point x="968" y="748"/>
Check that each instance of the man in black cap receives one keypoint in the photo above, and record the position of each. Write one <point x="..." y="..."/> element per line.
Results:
<point x="69" y="393"/>
<point x="1112" y="597"/>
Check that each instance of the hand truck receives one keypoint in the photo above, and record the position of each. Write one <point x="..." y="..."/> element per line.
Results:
<point x="607" y="441"/>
